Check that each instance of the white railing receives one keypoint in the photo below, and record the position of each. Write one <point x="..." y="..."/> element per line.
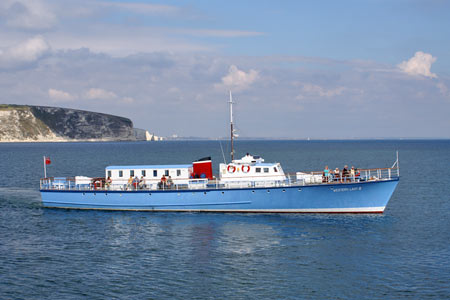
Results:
<point x="307" y="178"/>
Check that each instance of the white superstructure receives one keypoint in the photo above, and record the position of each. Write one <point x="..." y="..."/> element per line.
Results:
<point x="250" y="168"/>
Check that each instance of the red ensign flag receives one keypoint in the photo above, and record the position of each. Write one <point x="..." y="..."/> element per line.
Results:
<point x="48" y="161"/>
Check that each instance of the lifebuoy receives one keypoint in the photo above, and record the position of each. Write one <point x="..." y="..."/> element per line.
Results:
<point x="231" y="169"/>
<point x="246" y="168"/>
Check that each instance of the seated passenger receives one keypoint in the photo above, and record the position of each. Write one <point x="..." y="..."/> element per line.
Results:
<point x="135" y="182"/>
<point x="142" y="182"/>
<point x="169" y="182"/>
<point x="163" y="182"/>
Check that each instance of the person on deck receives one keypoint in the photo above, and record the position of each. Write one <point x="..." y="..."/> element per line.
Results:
<point x="142" y="182"/>
<point x="108" y="182"/>
<point x="169" y="182"/>
<point x="130" y="182"/>
<point x="163" y="182"/>
<point x="345" y="173"/>
<point x="135" y="182"/>
<point x="326" y="174"/>
<point x="337" y="176"/>
<point x="352" y="173"/>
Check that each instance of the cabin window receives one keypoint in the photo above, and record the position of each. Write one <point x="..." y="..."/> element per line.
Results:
<point x="120" y="173"/>
<point x="275" y="169"/>
<point x="132" y="173"/>
<point x="258" y="170"/>
<point x="109" y="173"/>
<point x="166" y="173"/>
<point x="155" y="173"/>
<point x="143" y="173"/>
<point x="178" y="172"/>
<point x="266" y="170"/>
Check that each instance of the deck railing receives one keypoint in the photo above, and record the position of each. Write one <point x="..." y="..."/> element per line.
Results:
<point x="291" y="179"/>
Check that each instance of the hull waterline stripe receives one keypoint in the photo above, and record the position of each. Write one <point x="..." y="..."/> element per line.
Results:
<point x="318" y="210"/>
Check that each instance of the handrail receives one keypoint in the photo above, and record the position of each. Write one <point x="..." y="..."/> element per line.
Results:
<point x="290" y="179"/>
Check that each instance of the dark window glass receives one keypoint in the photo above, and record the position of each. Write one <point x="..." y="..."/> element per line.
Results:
<point x="143" y="173"/>
<point x="120" y="173"/>
<point x="167" y="173"/>
<point x="258" y="170"/>
<point x="275" y="169"/>
<point x="155" y="173"/>
<point x="266" y="170"/>
<point x="178" y="172"/>
<point x="132" y="173"/>
<point x="109" y="173"/>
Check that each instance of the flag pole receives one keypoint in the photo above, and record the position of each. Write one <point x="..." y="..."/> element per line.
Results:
<point x="45" y="168"/>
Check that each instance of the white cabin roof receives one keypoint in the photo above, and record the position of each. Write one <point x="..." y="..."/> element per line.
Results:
<point x="249" y="159"/>
<point x="143" y="167"/>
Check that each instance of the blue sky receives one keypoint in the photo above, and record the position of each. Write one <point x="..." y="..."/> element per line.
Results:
<point x="297" y="69"/>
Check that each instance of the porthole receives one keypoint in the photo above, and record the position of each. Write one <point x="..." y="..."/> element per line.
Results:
<point x="299" y="190"/>
<point x="253" y="191"/>
<point x="84" y="194"/>
<point x="204" y="193"/>
<point x="223" y="193"/>
<point x="268" y="191"/>
<point x="284" y="191"/>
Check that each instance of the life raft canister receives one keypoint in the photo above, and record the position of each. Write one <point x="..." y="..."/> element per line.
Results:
<point x="246" y="168"/>
<point x="231" y="169"/>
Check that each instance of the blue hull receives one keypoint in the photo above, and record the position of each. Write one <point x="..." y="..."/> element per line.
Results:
<point x="358" y="197"/>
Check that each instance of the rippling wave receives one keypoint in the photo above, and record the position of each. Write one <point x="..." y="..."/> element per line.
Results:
<point x="71" y="254"/>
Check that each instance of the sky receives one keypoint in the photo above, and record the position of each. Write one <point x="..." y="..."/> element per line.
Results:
<point x="296" y="69"/>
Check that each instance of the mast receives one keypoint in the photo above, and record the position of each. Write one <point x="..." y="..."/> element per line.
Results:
<point x="231" y="127"/>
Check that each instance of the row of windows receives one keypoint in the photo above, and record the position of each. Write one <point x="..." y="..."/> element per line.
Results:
<point x="144" y="173"/>
<point x="266" y="170"/>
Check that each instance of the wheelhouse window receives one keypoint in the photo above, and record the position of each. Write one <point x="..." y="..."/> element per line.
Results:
<point x="132" y="173"/>
<point x="109" y="173"/>
<point x="266" y="170"/>
<point x="258" y="170"/>
<point x="143" y="173"/>
<point x="275" y="169"/>
<point x="178" y="172"/>
<point x="120" y="173"/>
<point x="155" y="173"/>
<point x="166" y="173"/>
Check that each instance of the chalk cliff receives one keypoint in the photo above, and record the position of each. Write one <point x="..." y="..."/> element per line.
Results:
<point x="22" y="123"/>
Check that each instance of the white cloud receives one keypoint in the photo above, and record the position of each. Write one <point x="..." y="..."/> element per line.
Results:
<point x="443" y="89"/>
<point x="26" y="52"/>
<point x="142" y="8"/>
<point x="238" y="79"/>
<point x="100" y="94"/>
<point x="420" y="64"/>
<point x="27" y="14"/>
<point x="59" y="95"/>
<point x="316" y="90"/>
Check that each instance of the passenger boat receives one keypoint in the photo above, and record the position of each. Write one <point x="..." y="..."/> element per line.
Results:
<point x="248" y="184"/>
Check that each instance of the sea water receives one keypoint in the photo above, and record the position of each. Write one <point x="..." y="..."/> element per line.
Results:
<point x="71" y="254"/>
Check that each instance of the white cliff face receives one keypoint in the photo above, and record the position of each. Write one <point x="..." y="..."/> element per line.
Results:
<point x="21" y="125"/>
<point x="47" y="124"/>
